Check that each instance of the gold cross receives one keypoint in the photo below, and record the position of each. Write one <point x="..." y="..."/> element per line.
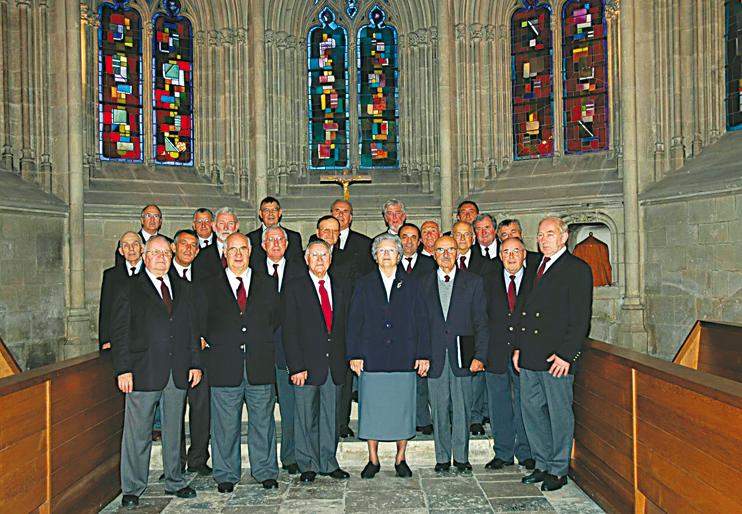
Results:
<point x="345" y="180"/>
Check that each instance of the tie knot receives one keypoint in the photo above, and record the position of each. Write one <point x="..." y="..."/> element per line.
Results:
<point x="133" y="269"/>
<point x="161" y="279"/>
<point x="275" y="266"/>
<point x="512" y="277"/>
<point x="239" y="279"/>
<point x="546" y="259"/>
<point x="446" y="278"/>
<point x="321" y="282"/>
<point x="409" y="259"/>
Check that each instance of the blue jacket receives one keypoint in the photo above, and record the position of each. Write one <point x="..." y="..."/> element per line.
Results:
<point x="388" y="336"/>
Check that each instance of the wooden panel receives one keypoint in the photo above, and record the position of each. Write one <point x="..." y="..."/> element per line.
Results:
<point x="720" y="372"/>
<point x="597" y="490"/>
<point x="618" y="462"/>
<point x="63" y="477"/>
<point x="74" y="393"/>
<point x="720" y="335"/>
<point x="622" y="490"/>
<point x="730" y="359"/>
<point x="651" y="508"/>
<point x="22" y="452"/>
<point x="688" y="353"/>
<point x="21" y="414"/>
<point x="595" y="424"/>
<point x="603" y="410"/>
<point x="23" y="500"/>
<point x="609" y="370"/>
<point x="70" y="427"/>
<point x="8" y="364"/>
<point x="93" y="491"/>
<point x="609" y="391"/>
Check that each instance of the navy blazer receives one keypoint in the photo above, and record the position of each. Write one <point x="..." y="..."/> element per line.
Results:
<point x="111" y="279"/>
<point x="208" y="262"/>
<point x="556" y="316"/>
<point x="360" y="246"/>
<point x="147" y="341"/>
<point x="292" y="270"/>
<point x="467" y="316"/>
<point x="306" y="342"/>
<point x="423" y="266"/>
<point x="388" y="335"/>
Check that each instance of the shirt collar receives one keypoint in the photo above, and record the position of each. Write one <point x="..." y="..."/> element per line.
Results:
<point x="245" y="274"/>
<point x="556" y="255"/>
<point x="344" y="237"/>
<point x="180" y="269"/>
<point x="492" y="247"/>
<point x="269" y="263"/>
<point x="156" y="280"/>
<point x="442" y="275"/>
<point x="202" y="242"/>
<point x="518" y="275"/>
<point x="137" y="266"/>
<point x="316" y="279"/>
<point x="413" y="262"/>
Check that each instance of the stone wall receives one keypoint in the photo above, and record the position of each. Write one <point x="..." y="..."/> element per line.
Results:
<point x="693" y="263"/>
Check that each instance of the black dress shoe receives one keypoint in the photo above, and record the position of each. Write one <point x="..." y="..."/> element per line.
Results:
<point x="346" y="432"/>
<point x="270" y="483"/>
<point x="308" y="476"/>
<point x="293" y="468"/>
<point x="477" y="429"/>
<point x="186" y="492"/>
<point x="530" y="464"/>
<point x="225" y="487"/>
<point x="462" y="466"/>
<point x="427" y="429"/>
<point x="201" y="469"/>
<point x="338" y="473"/>
<point x="403" y="470"/>
<point x="535" y="477"/>
<point x="442" y="466"/>
<point x="485" y="421"/>
<point x="498" y="463"/>
<point x="354" y="396"/>
<point x="129" y="500"/>
<point x="553" y="483"/>
<point x="370" y="470"/>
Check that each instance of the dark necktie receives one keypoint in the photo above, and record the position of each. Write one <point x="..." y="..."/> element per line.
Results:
<point x="224" y="261"/>
<point x="511" y="293"/>
<point x="325" y="303"/>
<point x="542" y="268"/>
<point x="185" y="275"/>
<point x="133" y="271"/>
<point x="166" y="299"/>
<point x="241" y="295"/>
<point x="462" y="262"/>
<point x="446" y="278"/>
<point x="409" y="264"/>
<point x="275" y="270"/>
<point x="487" y="252"/>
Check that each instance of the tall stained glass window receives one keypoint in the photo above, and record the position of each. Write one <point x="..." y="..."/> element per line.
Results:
<point x="329" y="118"/>
<point x="119" y="83"/>
<point x="172" y="87"/>
<point x="533" y="94"/>
<point x="734" y="63"/>
<point x="585" y="84"/>
<point x="378" y="92"/>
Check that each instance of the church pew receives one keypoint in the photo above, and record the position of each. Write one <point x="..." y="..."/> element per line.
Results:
<point x="60" y="437"/>
<point x="652" y="436"/>
<point x="715" y="348"/>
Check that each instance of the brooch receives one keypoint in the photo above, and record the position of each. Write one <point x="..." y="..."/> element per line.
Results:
<point x="399" y="284"/>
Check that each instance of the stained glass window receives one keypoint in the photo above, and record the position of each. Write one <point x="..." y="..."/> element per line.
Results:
<point x="329" y="118"/>
<point x="172" y="88"/>
<point x="734" y="64"/>
<point x="378" y="92"/>
<point x="533" y="94"/>
<point x="119" y="83"/>
<point x="584" y="75"/>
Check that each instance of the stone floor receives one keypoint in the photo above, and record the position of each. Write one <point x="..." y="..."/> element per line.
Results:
<point x="479" y="491"/>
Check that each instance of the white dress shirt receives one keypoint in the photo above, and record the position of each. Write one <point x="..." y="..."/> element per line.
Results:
<point x="179" y="269"/>
<point x="551" y="260"/>
<point x="281" y="268"/>
<point x="203" y="243"/>
<point x="220" y="248"/>
<point x="146" y="235"/>
<point x="156" y="282"/>
<point x="425" y="252"/>
<point x="388" y="283"/>
<point x="442" y="275"/>
<point x="344" y="237"/>
<point x="234" y="283"/>
<point x="492" y="248"/>
<point x="137" y="267"/>
<point x="406" y="263"/>
<point x="518" y="280"/>
<point x="467" y="259"/>
<point x="316" y="280"/>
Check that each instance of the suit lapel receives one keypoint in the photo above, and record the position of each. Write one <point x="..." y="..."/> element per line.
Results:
<point x="177" y="289"/>
<point x="146" y="284"/>
<point x="312" y="291"/>
<point x="546" y="277"/>
<point x="434" y="289"/>
<point x="226" y="288"/>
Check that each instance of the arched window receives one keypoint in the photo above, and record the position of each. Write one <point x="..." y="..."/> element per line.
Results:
<point x="172" y="87"/>
<point x="378" y="92"/>
<point x="585" y="72"/>
<point x="329" y="118"/>
<point x="734" y="64"/>
<point x="119" y="83"/>
<point x="533" y="94"/>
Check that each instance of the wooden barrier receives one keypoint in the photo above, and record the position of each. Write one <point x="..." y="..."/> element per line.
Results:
<point x="652" y="436"/>
<point x="60" y="437"/>
<point x="8" y="365"/>
<point x="715" y="348"/>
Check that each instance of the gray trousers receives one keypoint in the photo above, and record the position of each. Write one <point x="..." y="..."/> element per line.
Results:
<point x="136" y="444"/>
<point x="503" y="393"/>
<point x="286" y="405"/>
<point x="423" y="405"/>
<point x="480" y="406"/>
<point x="316" y="429"/>
<point x="226" y="422"/>
<point x="546" y="403"/>
<point x="451" y="400"/>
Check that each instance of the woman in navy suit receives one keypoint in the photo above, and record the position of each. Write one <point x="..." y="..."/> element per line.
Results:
<point x="388" y="341"/>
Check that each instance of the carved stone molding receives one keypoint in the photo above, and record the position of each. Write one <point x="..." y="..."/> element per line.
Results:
<point x="269" y="35"/>
<point x="200" y="38"/>
<point x="241" y="35"/>
<point x="476" y="31"/>
<point x="282" y="40"/>
<point x="213" y="38"/>
<point x="226" y="37"/>
<point x="413" y="39"/>
<point x="612" y="8"/>
<point x="460" y="30"/>
<point x="503" y="32"/>
<point x="433" y="35"/>
<point x="422" y="37"/>
<point x="489" y="32"/>
<point x="402" y="41"/>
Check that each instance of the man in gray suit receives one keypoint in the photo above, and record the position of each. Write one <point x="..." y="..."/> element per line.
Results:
<point x="456" y="311"/>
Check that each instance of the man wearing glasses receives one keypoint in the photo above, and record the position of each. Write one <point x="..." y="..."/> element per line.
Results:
<point x="270" y="213"/>
<point x="202" y="223"/>
<point x="238" y="313"/>
<point x="151" y="220"/>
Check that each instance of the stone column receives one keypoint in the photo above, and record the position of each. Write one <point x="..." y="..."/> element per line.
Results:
<point x="428" y="111"/>
<point x="447" y="98"/>
<point x="78" y="338"/>
<point x="259" y="113"/>
<point x="505" y="118"/>
<point x="46" y="164"/>
<point x="435" y="161"/>
<point x="200" y="86"/>
<point x="214" y="97"/>
<point x="7" y="155"/>
<point x="462" y="116"/>
<point x="677" y="150"/>
<point x="416" y="103"/>
<point x="404" y="112"/>
<point x="242" y="125"/>
<point x="25" y="29"/>
<point x="282" y="106"/>
<point x="489" y="150"/>
<point x="476" y="122"/>
<point x="558" y="118"/>
<point x="632" y="333"/>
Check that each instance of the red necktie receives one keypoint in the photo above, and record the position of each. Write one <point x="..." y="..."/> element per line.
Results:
<point x="462" y="262"/>
<point x="446" y="278"/>
<point x="185" y="276"/>
<point x="511" y="293"/>
<point x="224" y="261"/>
<point x="241" y="295"/>
<point x="409" y="264"/>
<point x="275" y="270"/>
<point x="166" y="299"/>
<point x="542" y="268"/>
<point x="325" y="303"/>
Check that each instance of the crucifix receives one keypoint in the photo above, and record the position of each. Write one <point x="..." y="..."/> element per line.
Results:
<point x="345" y="180"/>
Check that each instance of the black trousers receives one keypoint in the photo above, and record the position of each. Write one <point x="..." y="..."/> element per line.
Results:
<point x="199" y="419"/>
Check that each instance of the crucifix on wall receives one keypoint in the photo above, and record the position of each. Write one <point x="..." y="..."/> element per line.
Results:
<point x="345" y="180"/>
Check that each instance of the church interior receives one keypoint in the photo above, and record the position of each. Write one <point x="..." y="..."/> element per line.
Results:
<point x="619" y="117"/>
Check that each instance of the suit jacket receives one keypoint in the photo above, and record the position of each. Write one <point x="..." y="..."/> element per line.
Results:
<point x="467" y="316"/>
<point x="556" y="315"/>
<point x="112" y="277"/>
<point x="359" y="245"/>
<point x="388" y="336"/>
<point x="503" y="324"/>
<point x="423" y="266"/>
<point x="306" y="342"/>
<point x="291" y="270"/>
<point x="295" y="251"/>
<point x="196" y="278"/>
<point x="239" y="341"/>
<point x="149" y="342"/>
<point x="478" y="264"/>
<point x="208" y="261"/>
<point x="120" y="258"/>
<point x="344" y="265"/>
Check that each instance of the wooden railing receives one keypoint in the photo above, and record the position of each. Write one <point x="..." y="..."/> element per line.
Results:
<point x="715" y="348"/>
<point x="60" y="437"/>
<point x="652" y="436"/>
<point x="8" y="365"/>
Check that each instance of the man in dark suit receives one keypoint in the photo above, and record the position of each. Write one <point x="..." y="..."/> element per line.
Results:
<point x="485" y="228"/>
<point x="351" y="241"/>
<point x="151" y="220"/>
<point x="506" y="287"/>
<point x="212" y="259"/>
<point x="429" y="234"/>
<point x="419" y="267"/>
<point x="282" y="271"/>
<point x="155" y="357"/>
<point x="270" y="213"/>
<point x="554" y="323"/>
<point x="130" y="248"/>
<point x="395" y="215"/>
<point x="238" y="312"/>
<point x="467" y="211"/>
<point x="315" y="314"/>
<point x="456" y="310"/>
<point x="203" y="221"/>
<point x="512" y="228"/>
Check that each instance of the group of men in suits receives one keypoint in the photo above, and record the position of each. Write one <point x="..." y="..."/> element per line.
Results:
<point x="231" y="315"/>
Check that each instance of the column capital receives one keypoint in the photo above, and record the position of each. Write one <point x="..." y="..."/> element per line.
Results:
<point x="476" y="31"/>
<point x="226" y="37"/>
<point x="241" y="35"/>
<point x="433" y="35"/>
<point x="460" y="30"/>
<point x="213" y="38"/>
<point x="269" y="34"/>
<point x="200" y="38"/>
<point x="489" y="32"/>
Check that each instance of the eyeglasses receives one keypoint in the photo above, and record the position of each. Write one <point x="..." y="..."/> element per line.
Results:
<point x="157" y="253"/>
<point x="515" y="251"/>
<point x="329" y="231"/>
<point x="269" y="210"/>
<point x="234" y="250"/>
<point x="318" y="254"/>
<point x="202" y="222"/>
<point x="387" y="251"/>
<point x="151" y="216"/>
<point x="274" y="239"/>
<point x="441" y="251"/>
<point x="462" y="235"/>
